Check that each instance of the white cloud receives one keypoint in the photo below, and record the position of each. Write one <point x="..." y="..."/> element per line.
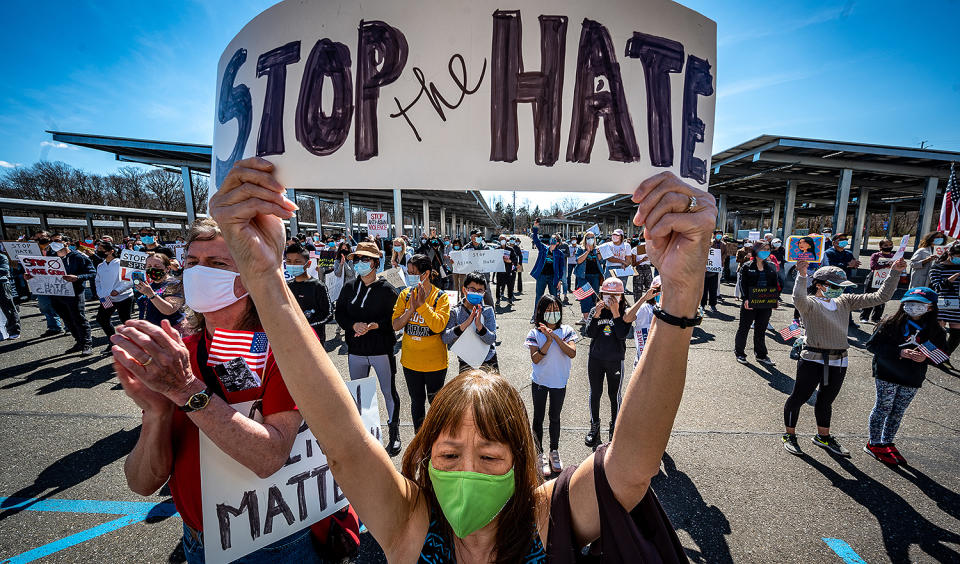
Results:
<point x="58" y="145"/>
<point x="5" y="164"/>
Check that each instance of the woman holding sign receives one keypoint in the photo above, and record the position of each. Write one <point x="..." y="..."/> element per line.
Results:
<point x="879" y="271"/>
<point x="759" y="287"/>
<point x="469" y="489"/>
<point x="945" y="279"/>
<point x="922" y="259"/>
<point x="162" y="297"/>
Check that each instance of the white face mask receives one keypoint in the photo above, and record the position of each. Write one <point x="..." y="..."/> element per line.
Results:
<point x="208" y="289"/>
<point x="915" y="309"/>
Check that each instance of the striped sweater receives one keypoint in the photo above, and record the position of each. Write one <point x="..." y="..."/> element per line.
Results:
<point x="828" y="329"/>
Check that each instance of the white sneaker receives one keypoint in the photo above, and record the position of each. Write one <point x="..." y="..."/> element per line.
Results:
<point x="14" y="336"/>
<point x="555" y="463"/>
<point x="545" y="466"/>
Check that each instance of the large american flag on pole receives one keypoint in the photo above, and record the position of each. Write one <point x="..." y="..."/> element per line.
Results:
<point x="950" y="211"/>
<point x="251" y="346"/>
<point x="931" y="351"/>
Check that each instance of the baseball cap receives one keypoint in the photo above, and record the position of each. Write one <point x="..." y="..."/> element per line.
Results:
<point x="921" y="294"/>
<point x="618" y="232"/>
<point x="365" y="249"/>
<point x="833" y="275"/>
<point x="612" y="285"/>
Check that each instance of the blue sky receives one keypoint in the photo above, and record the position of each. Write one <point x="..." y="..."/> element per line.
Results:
<point x="878" y="72"/>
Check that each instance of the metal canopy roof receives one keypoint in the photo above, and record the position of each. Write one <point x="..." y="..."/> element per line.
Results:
<point x="468" y="204"/>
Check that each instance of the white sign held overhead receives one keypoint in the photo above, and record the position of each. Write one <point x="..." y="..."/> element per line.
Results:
<point x="465" y="262"/>
<point x="378" y="224"/>
<point x="17" y="249"/>
<point x="243" y="513"/>
<point x="902" y="248"/>
<point x="419" y="94"/>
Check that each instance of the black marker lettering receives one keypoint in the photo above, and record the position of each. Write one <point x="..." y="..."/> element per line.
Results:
<point x="234" y="103"/>
<point x="276" y="506"/>
<point x="273" y="64"/>
<point x="337" y="493"/>
<point x="697" y="81"/>
<point x="433" y="94"/>
<point x="317" y="132"/>
<point x="510" y="85"/>
<point x="301" y="493"/>
<point x="320" y="473"/>
<point x="659" y="57"/>
<point x="386" y="46"/>
<point x="250" y="504"/>
<point x="598" y="93"/>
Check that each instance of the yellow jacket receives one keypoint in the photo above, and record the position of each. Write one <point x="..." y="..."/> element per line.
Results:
<point x="422" y="349"/>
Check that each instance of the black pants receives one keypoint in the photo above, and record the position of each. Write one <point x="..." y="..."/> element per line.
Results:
<point x="809" y="376"/>
<point x="597" y="369"/>
<point x="124" y="309"/>
<point x="505" y="283"/>
<point x="540" y="394"/>
<point x="642" y="280"/>
<point x="10" y="309"/>
<point x="760" y="318"/>
<point x="876" y="311"/>
<point x="70" y="310"/>
<point x="710" y="289"/>
<point x="520" y="282"/>
<point x="422" y="386"/>
<point x="492" y="365"/>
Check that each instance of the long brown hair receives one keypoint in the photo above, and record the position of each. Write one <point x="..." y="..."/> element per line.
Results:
<point x="500" y="416"/>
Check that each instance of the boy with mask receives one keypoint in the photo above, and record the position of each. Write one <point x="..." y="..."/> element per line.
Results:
<point x="470" y="314"/>
<point x="310" y="293"/>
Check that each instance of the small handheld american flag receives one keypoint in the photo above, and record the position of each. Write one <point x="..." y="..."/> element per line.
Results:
<point x="791" y="331"/>
<point x="950" y="211"/>
<point x="931" y="351"/>
<point x="251" y="346"/>
<point x="583" y="293"/>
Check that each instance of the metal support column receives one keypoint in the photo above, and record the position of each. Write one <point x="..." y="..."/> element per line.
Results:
<point x="926" y="212"/>
<point x="859" y="241"/>
<point x="426" y="216"/>
<point x="722" y="213"/>
<point x="843" y="197"/>
<point x="89" y="217"/>
<point x="124" y="219"/>
<point x="347" y="217"/>
<point x="889" y="229"/>
<point x="736" y="225"/>
<point x="443" y="222"/>
<point x="3" y="227"/>
<point x="789" y="208"/>
<point x="397" y="213"/>
<point x="294" y="222"/>
<point x="188" y="193"/>
<point x="775" y="220"/>
<point x="454" y="232"/>
<point x="318" y="213"/>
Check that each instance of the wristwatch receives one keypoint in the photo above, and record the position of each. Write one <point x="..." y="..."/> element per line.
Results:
<point x="197" y="401"/>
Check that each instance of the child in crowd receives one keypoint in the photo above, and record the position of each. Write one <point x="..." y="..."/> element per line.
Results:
<point x="608" y="333"/>
<point x="641" y="315"/>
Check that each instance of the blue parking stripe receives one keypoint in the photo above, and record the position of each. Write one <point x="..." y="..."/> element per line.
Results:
<point x="844" y="551"/>
<point x="89" y="506"/>
<point x="75" y="539"/>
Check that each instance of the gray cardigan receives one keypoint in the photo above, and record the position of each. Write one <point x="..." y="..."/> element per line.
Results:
<point x="458" y="314"/>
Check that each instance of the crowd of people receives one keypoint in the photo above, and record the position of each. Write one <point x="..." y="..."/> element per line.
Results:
<point x="477" y="480"/>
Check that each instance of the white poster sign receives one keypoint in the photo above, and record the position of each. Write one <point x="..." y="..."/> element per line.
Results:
<point x="753" y="236"/>
<point x="378" y="224"/>
<point x="46" y="276"/>
<point x="902" y="248"/>
<point x="419" y="94"/>
<point x="394" y="277"/>
<point x="595" y="229"/>
<point x="715" y="261"/>
<point x="243" y="513"/>
<point x="465" y="262"/>
<point x="130" y="262"/>
<point x="470" y="348"/>
<point x="179" y="252"/>
<point x="17" y="249"/>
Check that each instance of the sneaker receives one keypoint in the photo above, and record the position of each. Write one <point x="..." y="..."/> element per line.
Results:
<point x="53" y="332"/>
<point x="831" y="444"/>
<point x="741" y="358"/>
<point x="75" y="348"/>
<point x="766" y="361"/>
<point x="593" y="435"/>
<point x="713" y="309"/>
<point x="896" y="453"/>
<point x="880" y="452"/>
<point x="790" y="444"/>
<point x="14" y="336"/>
<point x="555" y="463"/>
<point x="87" y="350"/>
<point x="770" y="327"/>
<point x="545" y="466"/>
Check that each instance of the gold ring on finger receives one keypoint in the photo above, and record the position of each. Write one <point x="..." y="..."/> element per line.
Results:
<point x="692" y="206"/>
<point x="147" y="363"/>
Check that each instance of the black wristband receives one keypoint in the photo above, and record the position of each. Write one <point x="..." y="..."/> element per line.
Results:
<point x="681" y="322"/>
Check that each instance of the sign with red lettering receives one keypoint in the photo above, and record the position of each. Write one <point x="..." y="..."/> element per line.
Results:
<point x="46" y="276"/>
<point x="475" y="94"/>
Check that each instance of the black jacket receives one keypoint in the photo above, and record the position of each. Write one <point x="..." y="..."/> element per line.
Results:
<point x="79" y="265"/>
<point x="885" y="346"/>
<point x="312" y="297"/>
<point x="609" y="336"/>
<point x="749" y="276"/>
<point x="368" y="304"/>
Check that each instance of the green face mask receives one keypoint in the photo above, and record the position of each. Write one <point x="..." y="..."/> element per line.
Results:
<point x="470" y="500"/>
<point x="832" y="293"/>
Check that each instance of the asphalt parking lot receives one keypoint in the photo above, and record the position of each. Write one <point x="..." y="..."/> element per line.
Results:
<point x="729" y="488"/>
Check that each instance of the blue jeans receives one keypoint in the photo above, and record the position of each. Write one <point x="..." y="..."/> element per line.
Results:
<point x="543" y="282"/>
<point x="45" y="303"/>
<point x="295" y="548"/>
<point x="568" y="278"/>
<point x="587" y="304"/>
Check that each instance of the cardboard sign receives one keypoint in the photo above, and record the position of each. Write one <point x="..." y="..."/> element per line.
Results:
<point x="132" y="262"/>
<point x="879" y="277"/>
<point x="902" y="248"/>
<point x="939" y="250"/>
<point x="465" y="262"/>
<point x="243" y="513"/>
<point x="17" y="249"/>
<point x="805" y="247"/>
<point x="47" y="276"/>
<point x="715" y="261"/>
<point x="378" y="224"/>
<point x="753" y="235"/>
<point x="394" y="277"/>
<point x="384" y="94"/>
<point x="763" y="297"/>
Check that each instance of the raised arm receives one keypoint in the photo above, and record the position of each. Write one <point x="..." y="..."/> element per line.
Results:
<point x="882" y="295"/>
<point x="250" y="207"/>
<point x="677" y="244"/>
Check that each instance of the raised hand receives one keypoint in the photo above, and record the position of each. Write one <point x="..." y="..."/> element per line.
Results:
<point x="802" y="266"/>
<point x="900" y="265"/>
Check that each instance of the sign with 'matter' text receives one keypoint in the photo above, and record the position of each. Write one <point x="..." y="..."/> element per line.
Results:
<point x="563" y="95"/>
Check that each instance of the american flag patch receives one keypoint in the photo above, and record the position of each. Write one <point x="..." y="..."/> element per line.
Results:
<point x="583" y="293"/>
<point x="931" y="351"/>
<point x="251" y="346"/>
<point x="791" y="331"/>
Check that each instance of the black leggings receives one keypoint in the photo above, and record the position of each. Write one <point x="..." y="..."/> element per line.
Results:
<point x="597" y="369"/>
<point x="422" y="386"/>
<point x="540" y="394"/>
<point x="710" y="289"/>
<point x="124" y="309"/>
<point x="760" y="318"/>
<point x="809" y="376"/>
<point x="505" y="282"/>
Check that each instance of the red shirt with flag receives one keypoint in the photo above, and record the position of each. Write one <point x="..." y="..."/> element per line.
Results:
<point x="185" y="436"/>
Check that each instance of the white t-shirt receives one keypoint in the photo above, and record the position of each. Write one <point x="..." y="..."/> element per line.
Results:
<point x="640" y="259"/>
<point x="641" y="328"/>
<point x="553" y="370"/>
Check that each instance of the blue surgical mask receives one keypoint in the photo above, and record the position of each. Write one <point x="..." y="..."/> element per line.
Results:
<point x="362" y="268"/>
<point x="474" y="298"/>
<point x="955" y="260"/>
<point x="718" y="237"/>
<point x="763" y="255"/>
<point x="413" y="279"/>
<point x="331" y="244"/>
<point x="842" y="244"/>
<point x="397" y="249"/>
<point x="551" y="317"/>
<point x="295" y="270"/>
<point x="146" y="239"/>
<point x="938" y="241"/>
<point x="456" y="247"/>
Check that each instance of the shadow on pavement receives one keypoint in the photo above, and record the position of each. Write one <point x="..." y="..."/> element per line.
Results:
<point x="779" y="381"/>
<point x="947" y="500"/>
<point x="706" y="524"/>
<point x="900" y="524"/>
